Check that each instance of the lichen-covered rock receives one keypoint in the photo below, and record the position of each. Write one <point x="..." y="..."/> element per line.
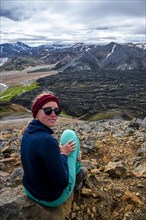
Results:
<point x="15" y="205"/>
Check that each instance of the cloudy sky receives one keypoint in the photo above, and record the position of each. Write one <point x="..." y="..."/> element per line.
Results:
<point x="36" y="22"/>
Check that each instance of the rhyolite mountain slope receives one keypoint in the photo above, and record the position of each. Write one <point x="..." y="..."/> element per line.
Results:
<point x="111" y="56"/>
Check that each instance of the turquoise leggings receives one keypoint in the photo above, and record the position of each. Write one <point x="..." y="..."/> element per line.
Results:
<point x="74" y="167"/>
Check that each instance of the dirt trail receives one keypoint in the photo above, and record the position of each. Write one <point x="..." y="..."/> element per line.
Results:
<point x="18" y="121"/>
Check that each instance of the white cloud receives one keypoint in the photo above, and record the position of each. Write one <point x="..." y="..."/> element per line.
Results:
<point x="67" y="20"/>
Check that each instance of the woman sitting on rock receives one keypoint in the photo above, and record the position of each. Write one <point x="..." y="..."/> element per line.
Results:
<point x="51" y="170"/>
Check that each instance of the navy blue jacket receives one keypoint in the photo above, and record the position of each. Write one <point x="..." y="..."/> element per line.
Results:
<point x="45" y="170"/>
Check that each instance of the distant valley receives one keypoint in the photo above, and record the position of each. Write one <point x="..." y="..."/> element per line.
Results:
<point x="91" y="79"/>
<point x="88" y="93"/>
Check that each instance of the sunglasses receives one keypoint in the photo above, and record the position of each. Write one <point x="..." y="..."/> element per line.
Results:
<point x="49" y="110"/>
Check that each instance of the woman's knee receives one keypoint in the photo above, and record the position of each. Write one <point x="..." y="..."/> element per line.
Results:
<point x="69" y="135"/>
<point x="69" y="132"/>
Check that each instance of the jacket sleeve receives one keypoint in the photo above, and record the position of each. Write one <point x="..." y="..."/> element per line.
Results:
<point x="56" y="164"/>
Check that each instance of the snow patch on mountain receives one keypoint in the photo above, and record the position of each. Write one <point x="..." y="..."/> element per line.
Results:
<point x="110" y="52"/>
<point x="3" y="60"/>
<point x="124" y="66"/>
<point x="3" y="87"/>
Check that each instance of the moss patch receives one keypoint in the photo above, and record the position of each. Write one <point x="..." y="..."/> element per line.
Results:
<point x="12" y="91"/>
<point x="101" y="116"/>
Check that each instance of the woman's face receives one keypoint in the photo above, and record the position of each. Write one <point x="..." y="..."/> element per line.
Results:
<point x="48" y="120"/>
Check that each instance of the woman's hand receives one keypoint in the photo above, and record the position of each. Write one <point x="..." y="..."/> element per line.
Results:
<point x="67" y="148"/>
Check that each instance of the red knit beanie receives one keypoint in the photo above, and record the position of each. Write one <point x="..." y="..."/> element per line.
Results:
<point x="42" y="100"/>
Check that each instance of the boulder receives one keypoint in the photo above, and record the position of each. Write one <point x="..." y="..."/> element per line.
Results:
<point x="15" y="205"/>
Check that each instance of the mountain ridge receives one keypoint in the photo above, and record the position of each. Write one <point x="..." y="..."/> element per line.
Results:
<point x="110" y="56"/>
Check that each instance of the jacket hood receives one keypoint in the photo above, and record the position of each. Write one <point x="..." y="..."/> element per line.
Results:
<point x="35" y="126"/>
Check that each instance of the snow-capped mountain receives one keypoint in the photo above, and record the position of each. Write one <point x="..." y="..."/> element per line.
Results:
<point x="121" y="57"/>
<point x="77" y="56"/>
<point x="19" y="49"/>
<point x="9" y="50"/>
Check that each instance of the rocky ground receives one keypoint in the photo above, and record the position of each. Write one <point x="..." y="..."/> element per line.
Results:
<point x="114" y="152"/>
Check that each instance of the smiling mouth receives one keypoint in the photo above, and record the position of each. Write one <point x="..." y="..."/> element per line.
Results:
<point x="52" y="120"/>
